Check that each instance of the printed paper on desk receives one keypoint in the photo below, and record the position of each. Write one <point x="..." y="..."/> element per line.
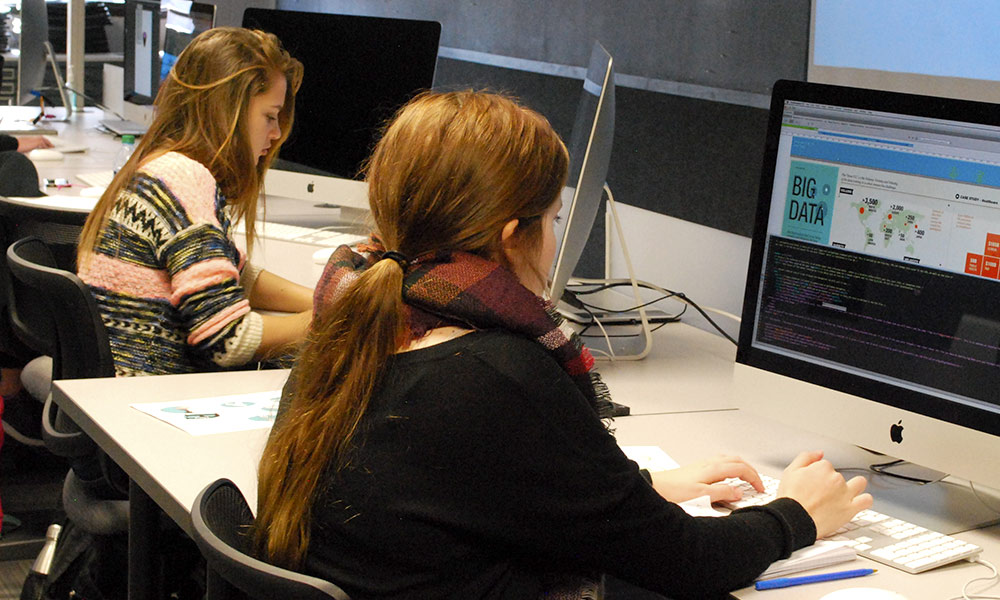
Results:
<point x="651" y="458"/>
<point x="220" y="414"/>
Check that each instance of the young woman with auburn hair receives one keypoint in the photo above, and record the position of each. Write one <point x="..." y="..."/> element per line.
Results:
<point x="441" y="433"/>
<point x="157" y="251"/>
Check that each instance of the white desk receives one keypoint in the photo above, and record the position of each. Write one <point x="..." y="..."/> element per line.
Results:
<point x="172" y="467"/>
<point x="169" y="464"/>
<point x="687" y="369"/>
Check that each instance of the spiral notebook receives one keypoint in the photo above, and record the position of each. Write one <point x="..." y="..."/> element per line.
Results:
<point x="821" y="554"/>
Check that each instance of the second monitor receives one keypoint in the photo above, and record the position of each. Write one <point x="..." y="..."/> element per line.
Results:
<point x="358" y="71"/>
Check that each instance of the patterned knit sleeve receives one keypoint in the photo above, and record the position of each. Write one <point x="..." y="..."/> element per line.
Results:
<point x="202" y="264"/>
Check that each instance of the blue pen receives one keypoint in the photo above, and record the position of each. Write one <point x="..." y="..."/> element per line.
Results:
<point x="783" y="582"/>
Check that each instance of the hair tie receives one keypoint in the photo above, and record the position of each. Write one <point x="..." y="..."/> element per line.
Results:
<point x="398" y="257"/>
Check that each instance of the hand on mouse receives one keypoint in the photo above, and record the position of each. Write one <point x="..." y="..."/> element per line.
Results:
<point x="822" y="491"/>
<point x="704" y="478"/>
<point x="29" y="143"/>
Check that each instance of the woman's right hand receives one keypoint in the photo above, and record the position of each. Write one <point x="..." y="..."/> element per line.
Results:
<point x="822" y="491"/>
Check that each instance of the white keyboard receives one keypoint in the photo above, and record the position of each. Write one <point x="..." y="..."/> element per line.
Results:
<point x="877" y="536"/>
<point x="304" y="235"/>
<point x="101" y="179"/>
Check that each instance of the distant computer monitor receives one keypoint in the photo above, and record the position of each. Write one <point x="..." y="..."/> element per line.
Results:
<point x="871" y="310"/>
<point x="916" y="46"/>
<point x="155" y="34"/>
<point x="142" y="51"/>
<point x="358" y="71"/>
<point x="34" y="32"/>
<point x="182" y="22"/>
<point x="590" y="154"/>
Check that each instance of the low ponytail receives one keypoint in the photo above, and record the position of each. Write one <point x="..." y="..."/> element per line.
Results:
<point x="337" y="372"/>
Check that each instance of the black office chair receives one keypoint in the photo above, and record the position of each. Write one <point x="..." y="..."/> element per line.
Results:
<point x="55" y="312"/>
<point x="18" y="177"/>
<point x="221" y="519"/>
<point x="60" y="229"/>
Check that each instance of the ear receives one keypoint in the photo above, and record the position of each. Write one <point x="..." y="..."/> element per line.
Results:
<point x="507" y="245"/>
<point x="508" y="231"/>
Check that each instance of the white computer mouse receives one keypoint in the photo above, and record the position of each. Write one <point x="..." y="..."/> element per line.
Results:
<point x="863" y="593"/>
<point x="45" y="154"/>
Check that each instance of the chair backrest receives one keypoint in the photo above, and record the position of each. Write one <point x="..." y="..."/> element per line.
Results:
<point x="56" y="303"/>
<point x="221" y="521"/>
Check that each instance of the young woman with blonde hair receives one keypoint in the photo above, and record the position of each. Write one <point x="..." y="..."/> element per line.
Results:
<point x="174" y="290"/>
<point x="442" y="434"/>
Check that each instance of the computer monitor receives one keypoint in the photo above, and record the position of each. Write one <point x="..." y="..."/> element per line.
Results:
<point x="142" y="56"/>
<point x="590" y="154"/>
<point x="870" y="312"/>
<point x="357" y="71"/>
<point x="182" y="22"/>
<point x="155" y="34"/>
<point x="32" y="32"/>
<point x="915" y="46"/>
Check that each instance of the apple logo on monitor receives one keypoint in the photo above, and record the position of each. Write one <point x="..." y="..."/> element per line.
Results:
<point x="896" y="432"/>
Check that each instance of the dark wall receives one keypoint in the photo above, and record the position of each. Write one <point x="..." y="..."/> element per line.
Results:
<point x="692" y="151"/>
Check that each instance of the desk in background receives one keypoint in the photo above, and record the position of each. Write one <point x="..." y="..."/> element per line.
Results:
<point x="80" y="129"/>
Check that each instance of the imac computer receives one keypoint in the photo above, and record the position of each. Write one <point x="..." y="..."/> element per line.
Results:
<point x="32" y="31"/>
<point x="590" y="154"/>
<point x="155" y="33"/>
<point x="590" y="145"/>
<point x="357" y="71"/>
<point x="871" y="310"/>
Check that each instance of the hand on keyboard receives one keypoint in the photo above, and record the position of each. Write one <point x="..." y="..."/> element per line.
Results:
<point x="705" y="478"/>
<point x="822" y="491"/>
<point x="905" y="546"/>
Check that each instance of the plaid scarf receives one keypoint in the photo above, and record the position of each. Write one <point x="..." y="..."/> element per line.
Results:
<point x="461" y="289"/>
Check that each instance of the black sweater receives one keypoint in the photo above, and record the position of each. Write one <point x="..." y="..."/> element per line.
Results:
<point x="481" y="467"/>
<point x="7" y="142"/>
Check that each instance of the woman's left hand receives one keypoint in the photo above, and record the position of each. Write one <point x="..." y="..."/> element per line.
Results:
<point x="705" y="478"/>
<point x="27" y="144"/>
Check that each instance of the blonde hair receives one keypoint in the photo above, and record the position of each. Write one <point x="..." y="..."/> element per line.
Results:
<point x="200" y="112"/>
<point x="448" y="173"/>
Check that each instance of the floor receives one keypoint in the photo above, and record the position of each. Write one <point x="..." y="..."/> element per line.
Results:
<point x="12" y="574"/>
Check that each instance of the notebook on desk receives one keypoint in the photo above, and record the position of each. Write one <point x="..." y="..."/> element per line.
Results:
<point x="12" y="127"/>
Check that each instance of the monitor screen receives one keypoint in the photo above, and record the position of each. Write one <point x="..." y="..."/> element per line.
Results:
<point x="357" y="71"/>
<point x="142" y="51"/>
<point x="874" y="266"/>
<point x="155" y="34"/>
<point x="590" y="154"/>
<point x="919" y="46"/>
<point x="182" y="22"/>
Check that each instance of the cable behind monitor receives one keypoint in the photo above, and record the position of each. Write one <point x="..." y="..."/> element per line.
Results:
<point x="623" y="353"/>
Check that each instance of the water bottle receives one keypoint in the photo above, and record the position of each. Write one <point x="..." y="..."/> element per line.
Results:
<point x="34" y="583"/>
<point x="128" y="146"/>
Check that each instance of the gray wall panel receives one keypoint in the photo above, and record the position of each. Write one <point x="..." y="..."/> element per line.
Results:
<point x="691" y="106"/>
<point x="735" y="44"/>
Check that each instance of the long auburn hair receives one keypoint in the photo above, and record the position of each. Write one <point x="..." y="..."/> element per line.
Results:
<point x="200" y="112"/>
<point x="448" y="173"/>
